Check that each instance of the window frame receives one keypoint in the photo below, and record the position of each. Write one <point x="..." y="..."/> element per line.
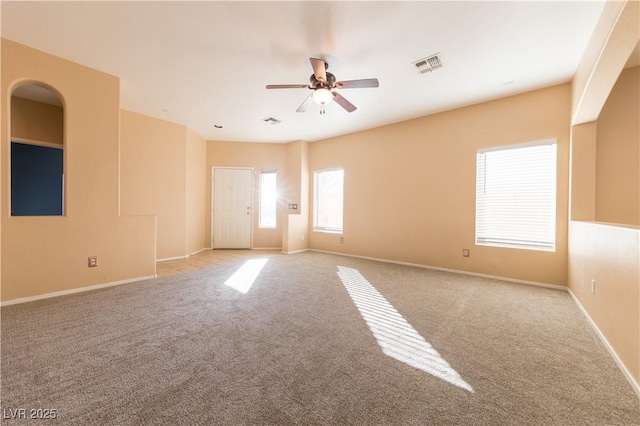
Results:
<point x="498" y="240"/>
<point x="316" y="203"/>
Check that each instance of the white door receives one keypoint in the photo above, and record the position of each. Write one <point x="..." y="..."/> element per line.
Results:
<point x="232" y="215"/>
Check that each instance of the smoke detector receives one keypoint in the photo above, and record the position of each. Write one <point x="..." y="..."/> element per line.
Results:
<point x="428" y="64"/>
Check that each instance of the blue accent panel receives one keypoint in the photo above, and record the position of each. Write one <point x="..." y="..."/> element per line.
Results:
<point x="36" y="180"/>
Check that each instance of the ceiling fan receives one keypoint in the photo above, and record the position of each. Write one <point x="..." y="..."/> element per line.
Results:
<point x="324" y="87"/>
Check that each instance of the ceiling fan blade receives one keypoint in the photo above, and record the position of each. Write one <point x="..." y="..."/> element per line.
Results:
<point x="288" y="86"/>
<point x="304" y="105"/>
<point x="340" y="100"/>
<point x="357" y="84"/>
<point x="319" y="69"/>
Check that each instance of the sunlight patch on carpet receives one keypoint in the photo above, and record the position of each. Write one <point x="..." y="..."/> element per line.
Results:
<point x="397" y="338"/>
<point x="243" y="278"/>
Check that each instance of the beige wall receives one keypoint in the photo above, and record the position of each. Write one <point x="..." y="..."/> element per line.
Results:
<point x="410" y="187"/>
<point x="618" y="153"/>
<point x="605" y="166"/>
<point x="257" y="156"/>
<point x="291" y="188"/>
<point x="609" y="255"/>
<point x="36" y="121"/>
<point x="164" y="175"/>
<point x="153" y="177"/>
<point x="125" y="246"/>
<point x="582" y="198"/>
<point x="195" y="192"/>
<point x="610" y="46"/>
<point x="295" y="190"/>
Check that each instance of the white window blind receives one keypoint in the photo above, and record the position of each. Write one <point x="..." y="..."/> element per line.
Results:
<point x="268" y="198"/>
<point x="516" y="196"/>
<point x="328" y="200"/>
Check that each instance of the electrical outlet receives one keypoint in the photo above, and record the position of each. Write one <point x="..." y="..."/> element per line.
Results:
<point x="341" y="240"/>
<point x="93" y="261"/>
<point x="593" y="286"/>
<point x="465" y="252"/>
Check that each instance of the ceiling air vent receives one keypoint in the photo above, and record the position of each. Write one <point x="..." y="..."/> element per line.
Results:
<point x="271" y="120"/>
<point x="428" y="64"/>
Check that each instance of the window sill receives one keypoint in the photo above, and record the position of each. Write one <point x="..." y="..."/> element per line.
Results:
<point x="327" y="231"/>
<point x="517" y="247"/>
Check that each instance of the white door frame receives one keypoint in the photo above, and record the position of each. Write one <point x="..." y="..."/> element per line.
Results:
<point x="213" y="190"/>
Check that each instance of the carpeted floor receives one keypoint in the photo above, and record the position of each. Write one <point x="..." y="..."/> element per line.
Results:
<point x="376" y="344"/>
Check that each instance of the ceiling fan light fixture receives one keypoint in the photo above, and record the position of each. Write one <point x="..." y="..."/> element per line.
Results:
<point x="322" y="96"/>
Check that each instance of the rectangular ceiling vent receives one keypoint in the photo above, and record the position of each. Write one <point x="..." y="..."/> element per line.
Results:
<point x="428" y="64"/>
<point x="271" y="120"/>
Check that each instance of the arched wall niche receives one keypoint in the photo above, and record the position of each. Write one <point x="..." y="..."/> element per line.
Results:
<point x="37" y="151"/>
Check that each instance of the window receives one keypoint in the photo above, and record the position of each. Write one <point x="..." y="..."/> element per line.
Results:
<point x="268" y="195"/>
<point x="328" y="200"/>
<point x="516" y="196"/>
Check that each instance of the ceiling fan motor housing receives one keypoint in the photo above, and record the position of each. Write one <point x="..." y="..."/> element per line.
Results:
<point x="317" y="84"/>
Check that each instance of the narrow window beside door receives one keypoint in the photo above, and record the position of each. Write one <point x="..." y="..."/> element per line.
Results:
<point x="268" y="199"/>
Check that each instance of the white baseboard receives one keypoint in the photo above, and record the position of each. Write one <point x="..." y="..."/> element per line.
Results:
<point x="199" y="251"/>
<point x="634" y="385"/>
<point x="164" y="259"/>
<point x="455" y="271"/>
<point x="73" y="291"/>
<point x="295" y="251"/>
<point x="186" y="256"/>
<point x="266" y="248"/>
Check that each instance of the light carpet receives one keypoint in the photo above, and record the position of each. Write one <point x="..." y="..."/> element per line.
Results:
<point x="312" y="344"/>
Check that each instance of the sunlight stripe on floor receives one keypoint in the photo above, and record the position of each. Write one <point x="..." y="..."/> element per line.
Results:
<point x="243" y="278"/>
<point x="397" y="338"/>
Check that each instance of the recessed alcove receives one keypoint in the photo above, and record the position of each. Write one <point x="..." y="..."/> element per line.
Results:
<point x="37" y="151"/>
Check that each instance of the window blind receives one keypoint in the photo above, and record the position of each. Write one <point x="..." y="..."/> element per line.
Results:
<point x="516" y="196"/>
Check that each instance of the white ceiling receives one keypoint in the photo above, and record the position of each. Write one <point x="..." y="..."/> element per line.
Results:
<point x="206" y="63"/>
